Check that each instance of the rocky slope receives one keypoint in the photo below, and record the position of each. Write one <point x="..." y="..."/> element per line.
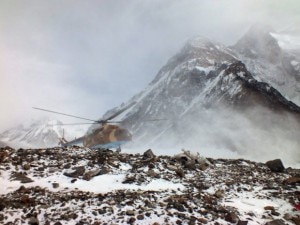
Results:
<point x="80" y="186"/>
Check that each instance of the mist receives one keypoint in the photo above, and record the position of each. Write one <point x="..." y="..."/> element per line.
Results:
<point x="255" y="133"/>
<point x="85" y="57"/>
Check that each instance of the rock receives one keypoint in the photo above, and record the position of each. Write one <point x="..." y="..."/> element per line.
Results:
<point x="78" y="171"/>
<point x="275" y="222"/>
<point x="241" y="222"/>
<point x="202" y="220"/>
<point x="271" y="208"/>
<point x="89" y="175"/>
<point x="26" y="200"/>
<point x="292" y="180"/>
<point x="140" y="217"/>
<point x="130" y="212"/>
<point x="231" y="217"/>
<point x="275" y="165"/>
<point x="3" y="155"/>
<point x="274" y="213"/>
<point x="219" y="193"/>
<point x="296" y="220"/>
<point x="104" y="170"/>
<point x="129" y="180"/>
<point x="2" y="206"/>
<point x="131" y="220"/>
<point x="152" y="174"/>
<point x="287" y="216"/>
<point x="26" y="166"/>
<point x="57" y="223"/>
<point x="179" y="172"/>
<point x="55" y="185"/>
<point x="148" y="154"/>
<point x="33" y="221"/>
<point x="21" y="177"/>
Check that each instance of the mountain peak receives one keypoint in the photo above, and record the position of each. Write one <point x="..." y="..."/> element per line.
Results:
<point x="200" y="42"/>
<point x="259" y="43"/>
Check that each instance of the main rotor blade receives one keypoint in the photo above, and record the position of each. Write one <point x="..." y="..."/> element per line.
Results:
<point x="46" y="110"/>
<point x="67" y="124"/>
<point x="120" y="111"/>
<point x="150" y="120"/>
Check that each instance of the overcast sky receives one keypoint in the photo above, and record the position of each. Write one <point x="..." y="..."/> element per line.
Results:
<point x="85" y="57"/>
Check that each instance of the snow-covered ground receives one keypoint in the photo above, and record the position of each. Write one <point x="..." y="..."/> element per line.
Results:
<point x="77" y="185"/>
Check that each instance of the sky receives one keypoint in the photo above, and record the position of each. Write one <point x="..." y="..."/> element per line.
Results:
<point x="86" y="57"/>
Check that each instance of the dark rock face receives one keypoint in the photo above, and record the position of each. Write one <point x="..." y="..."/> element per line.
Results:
<point x="275" y="165"/>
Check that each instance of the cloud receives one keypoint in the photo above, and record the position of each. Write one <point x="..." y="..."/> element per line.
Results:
<point x="84" y="57"/>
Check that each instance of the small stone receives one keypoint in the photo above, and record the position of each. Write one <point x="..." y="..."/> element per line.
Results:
<point x="274" y="213"/>
<point x="271" y="208"/>
<point x="275" y="222"/>
<point x="202" y="220"/>
<point x="26" y="166"/>
<point x="219" y="193"/>
<point x="33" y="221"/>
<point x="131" y="220"/>
<point x="296" y="220"/>
<point x="55" y="185"/>
<point x="231" y="217"/>
<point x="241" y="222"/>
<point x="57" y="223"/>
<point x="2" y="206"/>
<point x="287" y="216"/>
<point x="130" y="212"/>
<point x="140" y="217"/>
<point x="179" y="172"/>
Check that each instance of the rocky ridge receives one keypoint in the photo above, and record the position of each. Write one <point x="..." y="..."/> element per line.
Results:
<point x="72" y="186"/>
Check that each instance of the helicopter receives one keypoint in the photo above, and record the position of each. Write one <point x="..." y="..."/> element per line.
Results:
<point x="106" y="136"/>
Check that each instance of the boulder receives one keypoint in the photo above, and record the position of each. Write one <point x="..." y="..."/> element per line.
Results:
<point x="275" y="165"/>
<point x="231" y="217"/>
<point x="148" y="155"/>
<point x="275" y="222"/>
<point x="78" y="171"/>
<point x="21" y="177"/>
<point x="90" y="174"/>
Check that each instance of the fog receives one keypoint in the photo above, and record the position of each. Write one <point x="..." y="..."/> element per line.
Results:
<point x="255" y="133"/>
<point x="85" y="57"/>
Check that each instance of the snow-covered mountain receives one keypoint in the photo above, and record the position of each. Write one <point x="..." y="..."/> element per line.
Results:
<point x="38" y="133"/>
<point x="268" y="62"/>
<point x="217" y="97"/>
